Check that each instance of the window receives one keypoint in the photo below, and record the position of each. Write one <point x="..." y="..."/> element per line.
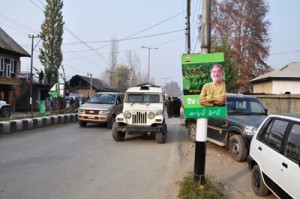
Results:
<point x="1" y="64"/>
<point x="292" y="150"/>
<point x="275" y="133"/>
<point x="7" y="70"/>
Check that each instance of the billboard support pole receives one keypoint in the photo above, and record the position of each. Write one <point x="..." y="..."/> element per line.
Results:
<point x="201" y="133"/>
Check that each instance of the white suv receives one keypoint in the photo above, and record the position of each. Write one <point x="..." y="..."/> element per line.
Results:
<point x="143" y="113"/>
<point x="275" y="156"/>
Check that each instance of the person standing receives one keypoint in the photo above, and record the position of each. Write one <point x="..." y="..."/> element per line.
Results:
<point x="169" y="107"/>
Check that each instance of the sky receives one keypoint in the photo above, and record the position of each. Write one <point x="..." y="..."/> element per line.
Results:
<point x="90" y="26"/>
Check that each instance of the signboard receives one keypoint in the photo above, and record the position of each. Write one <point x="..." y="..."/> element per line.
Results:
<point x="57" y="90"/>
<point x="204" y="85"/>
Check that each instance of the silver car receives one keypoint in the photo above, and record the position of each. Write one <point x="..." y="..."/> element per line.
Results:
<point x="101" y="108"/>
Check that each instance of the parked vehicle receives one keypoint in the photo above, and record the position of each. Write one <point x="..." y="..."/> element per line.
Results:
<point x="101" y="108"/>
<point x="143" y="113"/>
<point x="5" y="109"/>
<point x="244" y="115"/>
<point x="274" y="156"/>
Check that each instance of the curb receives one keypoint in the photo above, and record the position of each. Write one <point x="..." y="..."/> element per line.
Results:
<point x="14" y="126"/>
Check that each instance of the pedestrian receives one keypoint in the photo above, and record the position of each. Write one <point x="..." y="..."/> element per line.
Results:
<point x="169" y="107"/>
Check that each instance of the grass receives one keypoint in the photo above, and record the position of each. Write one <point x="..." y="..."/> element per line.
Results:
<point x="192" y="190"/>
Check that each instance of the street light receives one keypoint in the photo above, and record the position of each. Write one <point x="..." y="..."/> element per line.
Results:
<point x="149" y="60"/>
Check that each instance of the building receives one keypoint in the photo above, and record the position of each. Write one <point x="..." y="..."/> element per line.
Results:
<point x="87" y="86"/>
<point x="284" y="80"/>
<point x="10" y="65"/>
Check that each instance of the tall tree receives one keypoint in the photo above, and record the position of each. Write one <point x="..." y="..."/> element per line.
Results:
<point x="172" y="89"/>
<point x="243" y="25"/>
<point x="231" y="76"/>
<point x="52" y="36"/>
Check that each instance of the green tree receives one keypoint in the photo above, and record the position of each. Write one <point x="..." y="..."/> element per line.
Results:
<point x="52" y="36"/>
<point x="231" y="76"/>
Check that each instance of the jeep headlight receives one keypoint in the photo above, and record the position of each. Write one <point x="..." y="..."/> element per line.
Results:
<point x="127" y="114"/>
<point x="104" y="112"/>
<point x="80" y="110"/>
<point x="160" y="112"/>
<point x="151" y="115"/>
<point x="250" y="130"/>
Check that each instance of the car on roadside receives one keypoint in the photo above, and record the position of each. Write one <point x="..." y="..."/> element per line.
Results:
<point x="274" y="156"/>
<point x="101" y="108"/>
<point x="143" y="113"/>
<point x="244" y="115"/>
<point x="5" y="109"/>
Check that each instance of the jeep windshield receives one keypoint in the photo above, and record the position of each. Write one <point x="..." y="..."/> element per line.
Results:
<point x="244" y="106"/>
<point x="102" y="99"/>
<point x="142" y="98"/>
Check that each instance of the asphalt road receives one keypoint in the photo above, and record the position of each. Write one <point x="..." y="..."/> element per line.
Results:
<point x="68" y="161"/>
<point x="71" y="162"/>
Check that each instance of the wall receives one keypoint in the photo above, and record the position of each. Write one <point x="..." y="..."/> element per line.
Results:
<point x="264" y="87"/>
<point x="280" y="103"/>
<point x="281" y="86"/>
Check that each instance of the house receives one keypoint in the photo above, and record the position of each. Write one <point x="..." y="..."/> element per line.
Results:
<point x="87" y="86"/>
<point x="10" y="64"/>
<point x="284" y="80"/>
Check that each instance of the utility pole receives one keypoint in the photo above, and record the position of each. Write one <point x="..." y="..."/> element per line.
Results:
<point x="31" y="75"/>
<point x="188" y="29"/>
<point x="149" y="60"/>
<point x="201" y="133"/>
<point x="91" y="85"/>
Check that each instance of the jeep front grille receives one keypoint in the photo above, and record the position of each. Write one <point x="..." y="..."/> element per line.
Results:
<point x="139" y="117"/>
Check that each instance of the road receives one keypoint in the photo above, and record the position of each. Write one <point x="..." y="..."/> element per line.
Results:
<point x="68" y="161"/>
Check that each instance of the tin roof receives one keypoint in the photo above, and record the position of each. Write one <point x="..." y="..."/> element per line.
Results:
<point x="289" y="71"/>
<point x="8" y="45"/>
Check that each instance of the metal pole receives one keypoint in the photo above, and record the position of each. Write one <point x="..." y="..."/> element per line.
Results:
<point x="31" y="75"/>
<point x="188" y="27"/>
<point x="201" y="133"/>
<point x="148" y="65"/>
<point x="149" y="60"/>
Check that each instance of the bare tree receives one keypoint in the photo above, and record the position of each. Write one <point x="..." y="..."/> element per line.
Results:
<point x="172" y="89"/>
<point x="243" y="25"/>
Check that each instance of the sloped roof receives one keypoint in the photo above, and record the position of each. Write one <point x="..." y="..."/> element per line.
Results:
<point x="96" y="83"/>
<point x="289" y="71"/>
<point x="8" y="45"/>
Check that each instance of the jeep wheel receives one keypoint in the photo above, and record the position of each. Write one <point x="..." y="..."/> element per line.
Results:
<point x="192" y="131"/>
<point x="161" y="137"/>
<point x="237" y="148"/>
<point x="117" y="135"/>
<point x="258" y="185"/>
<point x="82" y="124"/>
<point x="5" y="112"/>
<point x="111" y="122"/>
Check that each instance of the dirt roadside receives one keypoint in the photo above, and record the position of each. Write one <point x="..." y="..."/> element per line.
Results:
<point x="232" y="178"/>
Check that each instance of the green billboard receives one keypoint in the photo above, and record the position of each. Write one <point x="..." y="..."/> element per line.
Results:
<point x="204" y="85"/>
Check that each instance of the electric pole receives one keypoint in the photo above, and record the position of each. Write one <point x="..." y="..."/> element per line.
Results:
<point x="31" y="75"/>
<point x="149" y="60"/>
<point x="188" y="29"/>
<point x="201" y="133"/>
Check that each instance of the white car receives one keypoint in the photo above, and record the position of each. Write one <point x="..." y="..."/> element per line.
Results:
<point x="143" y="113"/>
<point x="274" y="156"/>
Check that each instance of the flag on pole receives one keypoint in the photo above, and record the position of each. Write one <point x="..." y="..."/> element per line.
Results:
<point x="54" y="91"/>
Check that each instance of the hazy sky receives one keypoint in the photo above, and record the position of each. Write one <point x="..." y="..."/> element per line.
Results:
<point x="91" y="24"/>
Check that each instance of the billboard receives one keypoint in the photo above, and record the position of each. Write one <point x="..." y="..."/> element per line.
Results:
<point x="204" y="85"/>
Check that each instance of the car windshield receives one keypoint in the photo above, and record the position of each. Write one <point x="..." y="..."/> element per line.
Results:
<point x="244" y="106"/>
<point x="101" y="98"/>
<point x="143" y="98"/>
